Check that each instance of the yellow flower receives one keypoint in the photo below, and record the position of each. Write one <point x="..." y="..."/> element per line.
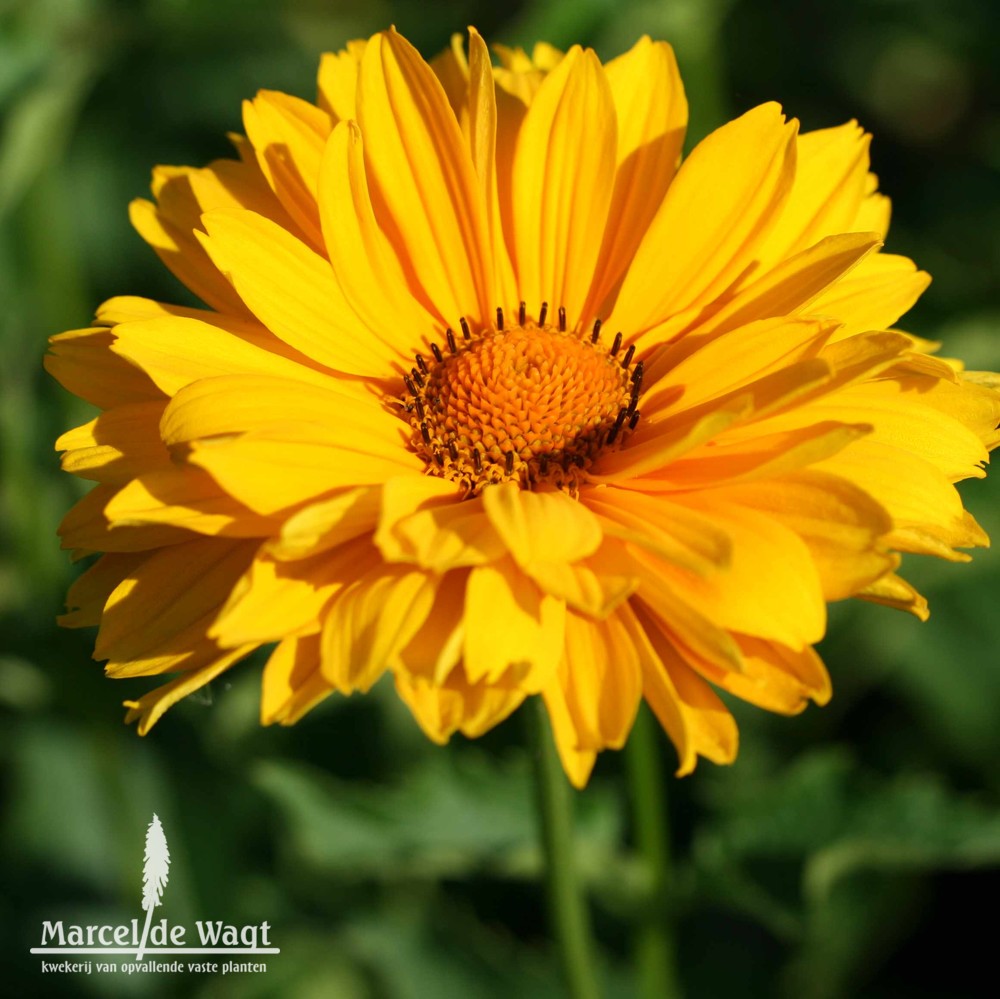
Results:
<point x="496" y="395"/>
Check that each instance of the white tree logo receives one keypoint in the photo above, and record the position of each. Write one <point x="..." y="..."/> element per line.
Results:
<point x="155" y="872"/>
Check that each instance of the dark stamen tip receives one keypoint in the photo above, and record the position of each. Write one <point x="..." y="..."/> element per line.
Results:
<point x="629" y="354"/>
<point x="439" y="459"/>
<point x="596" y="334"/>
<point x="420" y="408"/>
<point x="499" y="318"/>
<point x="522" y="313"/>
<point x="425" y="433"/>
<point x="450" y="337"/>
<point x="410" y="387"/>
<point x="509" y="462"/>
<point x="477" y="460"/>
<point x="562" y="319"/>
<point x="637" y="373"/>
<point x="452" y="450"/>
<point x="466" y="332"/>
<point x="421" y="363"/>
<point x="617" y="344"/>
<point x="543" y="312"/>
<point x="417" y="377"/>
<point x="633" y="420"/>
<point x="436" y="351"/>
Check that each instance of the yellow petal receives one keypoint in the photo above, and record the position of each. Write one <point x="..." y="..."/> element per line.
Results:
<point x="288" y="136"/>
<point x="704" y="366"/>
<point x="873" y="296"/>
<point x="87" y="528"/>
<point x="180" y="250"/>
<point x="328" y="523"/>
<point x="82" y="363"/>
<point x="233" y="404"/>
<point x="362" y="258"/>
<point x="420" y="172"/>
<point x="791" y="287"/>
<point x="891" y="591"/>
<point x="457" y="705"/>
<point x="482" y="132"/>
<point x="174" y="352"/>
<point x="425" y="521"/>
<point x="541" y="526"/>
<point x="273" y="599"/>
<point x="149" y="708"/>
<point x="652" y="113"/>
<point x="601" y="677"/>
<point x="562" y="184"/>
<point x="785" y="603"/>
<point x="578" y="763"/>
<point x="292" y="684"/>
<point x="697" y="722"/>
<point x="117" y="446"/>
<point x="777" y="678"/>
<point x="370" y="622"/>
<point x="831" y="174"/>
<point x="89" y="593"/>
<point x="706" y="232"/>
<point x="842" y="526"/>
<point x="435" y="650"/>
<point x="167" y="603"/>
<point x="184" y="497"/>
<point x="670" y="530"/>
<point x="337" y="81"/>
<point x="271" y="471"/>
<point x="293" y="292"/>
<point x="510" y="625"/>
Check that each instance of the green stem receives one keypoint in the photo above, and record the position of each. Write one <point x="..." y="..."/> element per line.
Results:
<point x="654" y="945"/>
<point x="567" y="905"/>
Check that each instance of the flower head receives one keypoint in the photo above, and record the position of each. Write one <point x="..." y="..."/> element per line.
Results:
<point x="495" y="394"/>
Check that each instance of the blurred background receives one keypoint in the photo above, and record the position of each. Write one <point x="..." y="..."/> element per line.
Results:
<point x="846" y="851"/>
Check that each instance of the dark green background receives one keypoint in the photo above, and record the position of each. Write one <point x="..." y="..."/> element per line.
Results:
<point x="846" y="851"/>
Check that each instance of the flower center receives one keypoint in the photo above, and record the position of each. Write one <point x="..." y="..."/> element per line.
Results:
<point x="530" y="403"/>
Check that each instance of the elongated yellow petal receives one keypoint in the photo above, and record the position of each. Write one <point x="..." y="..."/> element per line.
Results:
<point x="293" y="292"/>
<point x="541" y="526"/>
<point x="273" y="599"/>
<point x="288" y="136"/>
<point x="421" y="175"/>
<point x="167" y="603"/>
<point x="651" y="111"/>
<point x="511" y="625"/>
<point x="371" y="621"/>
<point x="116" y="446"/>
<point x="276" y="470"/>
<point x="831" y="175"/>
<point x="696" y="720"/>
<point x="562" y="185"/>
<point x="90" y="591"/>
<point x="706" y="232"/>
<point x="457" y="705"/>
<point x="150" y="708"/>
<point x="174" y="352"/>
<point x="180" y="250"/>
<point x="424" y="521"/>
<point x="82" y="363"/>
<point x="600" y="674"/>
<point x="328" y="523"/>
<point x="184" y="497"/>
<point x="292" y="683"/>
<point x="362" y="258"/>
<point x="337" y="81"/>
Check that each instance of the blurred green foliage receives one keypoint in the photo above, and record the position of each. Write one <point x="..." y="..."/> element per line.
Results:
<point x="841" y="856"/>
